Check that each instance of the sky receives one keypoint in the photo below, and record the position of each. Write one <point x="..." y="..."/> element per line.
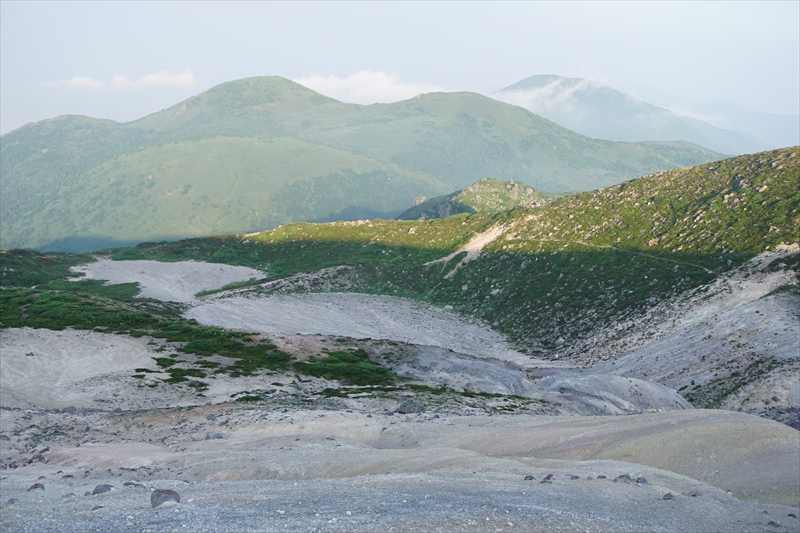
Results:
<point x="124" y="60"/>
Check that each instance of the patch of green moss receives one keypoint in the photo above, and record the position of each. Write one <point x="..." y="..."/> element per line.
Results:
<point x="348" y="367"/>
<point x="713" y="393"/>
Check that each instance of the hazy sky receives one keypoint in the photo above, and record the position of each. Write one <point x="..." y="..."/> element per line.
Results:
<point x="123" y="60"/>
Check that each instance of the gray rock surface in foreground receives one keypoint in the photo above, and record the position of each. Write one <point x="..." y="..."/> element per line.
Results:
<point x="454" y="502"/>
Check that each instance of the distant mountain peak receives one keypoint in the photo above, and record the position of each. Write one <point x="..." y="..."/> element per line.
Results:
<point x="596" y="110"/>
<point x="263" y="90"/>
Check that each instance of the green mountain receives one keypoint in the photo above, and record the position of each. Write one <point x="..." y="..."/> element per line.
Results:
<point x="256" y="153"/>
<point x="485" y="196"/>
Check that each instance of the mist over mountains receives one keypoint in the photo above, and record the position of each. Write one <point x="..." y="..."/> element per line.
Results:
<point x="598" y="111"/>
<point x="253" y="154"/>
<point x="776" y="130"/>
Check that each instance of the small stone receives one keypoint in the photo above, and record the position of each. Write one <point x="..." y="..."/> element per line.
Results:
<point x="100" y="489"/>
<point x="11" y="501"/>
<point x="574" y="477"/>
<point x="87" y="493"/>
<point x="71" y="410"/>
<point x="36" y="486"/>
<point x="212" y="436"/>
<point x="792" y="515"/>
<point x="547" y="479"/>
<point x="773" y="523"/>
<point x="67" y="476"/>
<point x="161" y="496"/>
<point x="668" y="496"/>
<point x="97" y="507"/>
<point x="625" y="478"/>
<point x="128" y="484"/>
<point x="641" y="481"/>
<point x="70" y="495"/>
<point x="602" y="477"/>
<point x="529" y="478"/>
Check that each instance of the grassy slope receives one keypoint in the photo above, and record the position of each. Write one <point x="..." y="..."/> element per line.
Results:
<point x="464" y="137"/>
<point x="222" y="184"/>
<point x="563" y="270"/>
<point x="485" y="196"/>
<point x="435" y="143"/>
<point x="560" y="273"/>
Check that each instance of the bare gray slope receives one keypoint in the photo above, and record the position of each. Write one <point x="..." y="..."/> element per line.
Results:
<point x="88" y="369"/>
<point x="473" y="503"/>
<point x="735" y="345"/>
<point x="340" y="470"/>
<point x="171" y="282"/>
<point x="349" y="465"/>
<point x="359" y="316"/>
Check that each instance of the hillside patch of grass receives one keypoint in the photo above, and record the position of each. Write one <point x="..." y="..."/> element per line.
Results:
<point x="713" y="393"/>
<point x="352" y="367"/>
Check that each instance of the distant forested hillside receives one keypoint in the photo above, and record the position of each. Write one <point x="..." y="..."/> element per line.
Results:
<point x="256" y="153"/>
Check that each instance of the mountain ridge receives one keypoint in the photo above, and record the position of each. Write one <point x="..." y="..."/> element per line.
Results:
<point x="602" y="112"/>
<point x="440" y="142"/>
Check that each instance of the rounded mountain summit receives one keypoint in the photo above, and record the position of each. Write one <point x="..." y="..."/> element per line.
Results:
<point x="252" y="154"/>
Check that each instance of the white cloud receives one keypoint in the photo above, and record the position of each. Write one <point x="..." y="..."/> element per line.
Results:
<point x="79" y="82"/>
<point x="556" y="96"/>
<point x="714" y="120"/>
<point x="158" y="79"/>
<point x="366" y="87"/>
<point x="120" y="81"/>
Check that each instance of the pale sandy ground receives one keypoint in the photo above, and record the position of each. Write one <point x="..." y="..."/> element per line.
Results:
<point x="282" y="467"/>
<point x="306" y="470"/>
<point x="175" y="282"/>
<point x="56" y="369"/>
<point x="736" y="322"/>
<point x="358" y="316"/>
<point x="347" y="315"/>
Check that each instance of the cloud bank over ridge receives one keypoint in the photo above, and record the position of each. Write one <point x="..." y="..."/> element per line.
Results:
<point x="366" y="87"/>
<point x="162" y="78"/>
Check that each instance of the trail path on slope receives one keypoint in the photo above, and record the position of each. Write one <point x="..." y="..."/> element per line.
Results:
<point x="474" y="248"/>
